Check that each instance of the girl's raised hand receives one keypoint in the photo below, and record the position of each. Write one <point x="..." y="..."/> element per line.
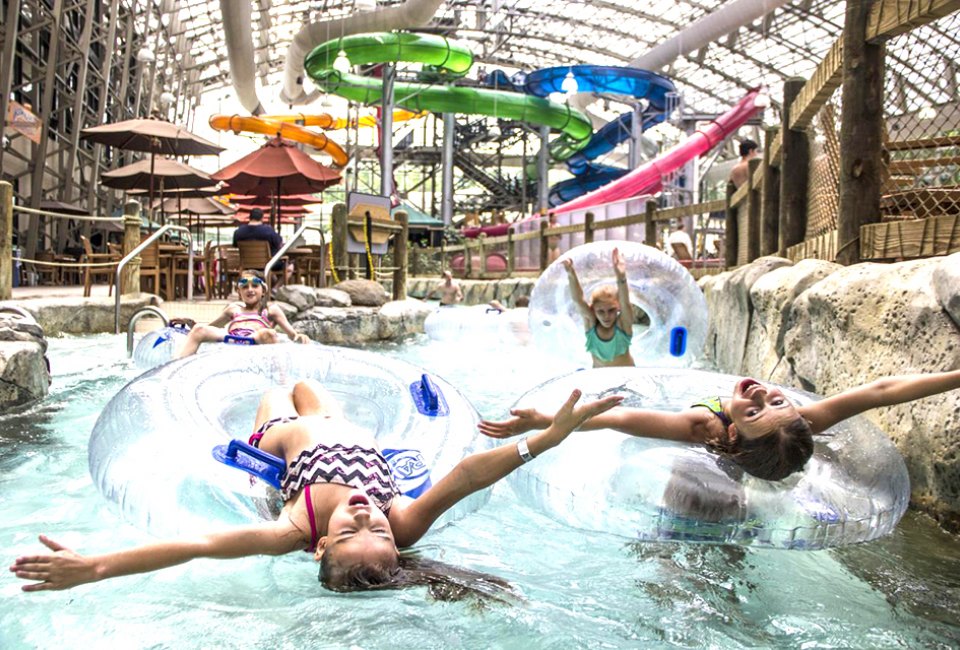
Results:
<point x="619" y="264"/>
<point x="567" y="264"/>
<point x="61" y="569"/>
<point x="571" y="415"/>
<point x="523" y="420"/>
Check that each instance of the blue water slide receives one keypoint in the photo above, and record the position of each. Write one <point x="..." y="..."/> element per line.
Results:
<point x="590" y="178"/>
<point x="608" y="137"/>
<point x="610" y="80"/>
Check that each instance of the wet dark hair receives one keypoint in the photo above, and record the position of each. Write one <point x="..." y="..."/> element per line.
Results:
<point x="522" y="301"/>
<point x="746" y="146"/>
<point x="443" y="581"/>
<point x="773" y="456"/>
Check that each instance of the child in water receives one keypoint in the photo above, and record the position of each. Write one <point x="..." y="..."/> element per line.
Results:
<point x="608" y="317"/>
<point x="339" y="500"/>
<point x="758" y="428"/>
<point x="252" y="318"/>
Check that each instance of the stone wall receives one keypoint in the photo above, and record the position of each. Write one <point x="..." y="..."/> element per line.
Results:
<point x="24" y="372"/>
<point x="477" y="292"/>
<point x="825" y="328"/>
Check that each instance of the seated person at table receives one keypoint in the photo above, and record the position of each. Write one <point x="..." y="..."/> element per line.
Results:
<point x="256" y="230"/>
<point x="251" y="318"/>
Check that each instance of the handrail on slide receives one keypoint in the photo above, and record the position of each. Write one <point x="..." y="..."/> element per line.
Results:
<point x="136" y="251"/>
<point x="290" y="242"/>
<point x="137" y="315"/>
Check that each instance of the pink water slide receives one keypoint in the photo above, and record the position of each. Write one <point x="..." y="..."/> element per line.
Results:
<point x="646" y="178"/>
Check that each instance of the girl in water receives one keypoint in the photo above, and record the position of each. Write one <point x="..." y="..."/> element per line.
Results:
<point x="251" y="318"/>
<point x="608" y="317"/>
<point x="340" y="501"/>
<point x="758" y="428"/>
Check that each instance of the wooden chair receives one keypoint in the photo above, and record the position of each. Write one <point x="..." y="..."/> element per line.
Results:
<point x="90" y="273"/>
<point x="228" y="269"/>
<point x="682" y="253"/>
<point x="47" y="274"/>
<point x="177" y="270"/>
<point x="209" y="259"/>
<point x="313" y="267"/>
<point x="255" y="253"/>
<point x="150" y="268"/>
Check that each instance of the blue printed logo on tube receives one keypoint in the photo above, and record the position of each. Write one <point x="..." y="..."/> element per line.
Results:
<point x="409" y="471"/>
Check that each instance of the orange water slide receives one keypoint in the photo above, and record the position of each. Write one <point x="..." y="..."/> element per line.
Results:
<point x="325" y="121"/>
<point x="286" y="130"/>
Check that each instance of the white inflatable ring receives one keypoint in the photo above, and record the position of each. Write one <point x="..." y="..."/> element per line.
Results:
<point x="658" y="285"/>
<point x="855" y="487"/>
<point x="150" y="450"/>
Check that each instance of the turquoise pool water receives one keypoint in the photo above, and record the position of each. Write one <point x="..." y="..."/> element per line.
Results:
<point x="574" y="589"/>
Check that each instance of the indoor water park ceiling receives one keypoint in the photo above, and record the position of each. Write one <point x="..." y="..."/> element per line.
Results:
<point x="531" y="34"/>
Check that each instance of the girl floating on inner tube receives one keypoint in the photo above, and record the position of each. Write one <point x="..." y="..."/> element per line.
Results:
<point x="339" y="500"/>
<point x="761" y="430"/>
<point x="608" y="317"/>
<point x="250" y="318"/>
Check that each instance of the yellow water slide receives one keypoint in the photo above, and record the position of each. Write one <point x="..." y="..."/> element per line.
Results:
<point x="292" y="127"/>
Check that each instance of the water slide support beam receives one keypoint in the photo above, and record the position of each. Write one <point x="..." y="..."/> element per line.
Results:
<point x="543" y="170"/>
<point x="386" y="131"/>
<point x="446" y="204"/>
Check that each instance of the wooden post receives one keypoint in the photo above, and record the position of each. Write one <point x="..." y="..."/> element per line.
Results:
<point x="794" y="172"/>
<point x="861" y="132"/>
<point x="6" y="240"/>
<point x="731" y="232"/>
<point x="443" y="256"/>
<point x="588" y="228"/>
<point x="338" y="239"/>
<point x="650" y="224"/>
<point x="400" y="256"/>
<point x="511" y="251"/>
<point x="482" y="251"/>
<point x="753" y="212"/>
<point x="130" y="280"/>
<point x="544" y="251"/>
<point x="467" y="259"/>
<point x="770" y="219"/>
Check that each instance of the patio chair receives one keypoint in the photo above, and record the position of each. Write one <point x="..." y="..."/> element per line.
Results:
<point x="91" y="273"/>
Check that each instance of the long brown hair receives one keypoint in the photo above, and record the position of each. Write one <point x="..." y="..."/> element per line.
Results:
<point x="443" y="581"/>
<point x="773" y="456"/>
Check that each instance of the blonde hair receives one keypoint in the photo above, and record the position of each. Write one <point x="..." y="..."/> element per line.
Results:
<point x="605" y="292"/>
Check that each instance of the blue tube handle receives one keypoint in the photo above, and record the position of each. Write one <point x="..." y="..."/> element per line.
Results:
<point x="429" y="391"/>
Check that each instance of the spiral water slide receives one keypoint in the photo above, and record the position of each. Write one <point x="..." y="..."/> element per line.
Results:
<point x="646" y="178"/>
<point x="443" y="61"/>
<point x="291" y="127"/>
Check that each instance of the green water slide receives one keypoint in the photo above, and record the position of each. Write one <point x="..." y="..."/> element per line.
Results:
<point x="443" y="61"/>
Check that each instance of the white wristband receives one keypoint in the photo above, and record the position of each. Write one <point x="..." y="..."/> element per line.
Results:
<point x="524" y="451"/>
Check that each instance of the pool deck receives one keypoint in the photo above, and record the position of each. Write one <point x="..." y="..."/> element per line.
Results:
<point x="199" y="309"/>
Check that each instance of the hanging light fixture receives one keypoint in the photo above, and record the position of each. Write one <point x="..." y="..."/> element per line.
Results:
<point x="146" y="55"/>
<point x="342" y="62"/>
<point x="569" y="84"/>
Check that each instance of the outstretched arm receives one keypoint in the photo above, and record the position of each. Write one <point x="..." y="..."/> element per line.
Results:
<point x="623" y="293"/>
<point x="225" y="317"/>
<point x="63" y="568"/>
<point x="882" y="392"/>
<point x="576" y="294"/>
<point x="685" y="426"/>
<point x="486" y="468"/>
<point x="281" y="320"/>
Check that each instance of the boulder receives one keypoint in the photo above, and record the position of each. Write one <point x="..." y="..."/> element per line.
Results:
<point x="364" y="293"/>
<point x="400" y="318"/>
<point x="24" y="374"/>
<point x="340" y="326"/>
<point x="331" y="298"/>
<point x="946" y="285"/>
<point x="867" y="321"/>
<point x="299" y="295"/>
<point x="728" y="301"/>
<point x="771" y="299"/>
